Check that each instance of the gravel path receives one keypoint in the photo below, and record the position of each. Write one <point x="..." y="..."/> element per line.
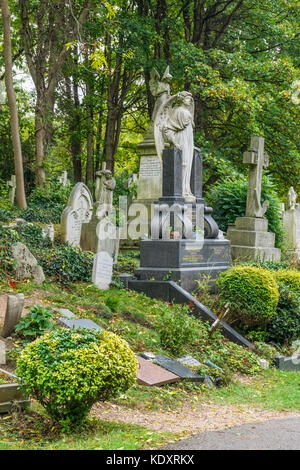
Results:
<point x="279" y="434"/>
<point x="189" y="419"/>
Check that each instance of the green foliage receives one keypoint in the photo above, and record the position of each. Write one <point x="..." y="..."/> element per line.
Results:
<point x="228" y="198"/>
<point x="35" y="323"/>
<point x="177" y="330"/>
<point x="284" y="327"/>
<point x="68" y="371"/>
<point x="7" y="239"/>
<point x="47" y="202"/>
<point x="32" y="236"/>
<point x="252" y="294"/>
<point x="66" y="264"/>
<point x="288" y="278"/>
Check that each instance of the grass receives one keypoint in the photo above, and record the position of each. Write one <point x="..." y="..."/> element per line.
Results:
<point x="273" y="390"/>
<point x="32" y="431"/>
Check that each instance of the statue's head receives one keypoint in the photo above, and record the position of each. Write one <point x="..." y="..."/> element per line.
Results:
<point x="185" y="98"/>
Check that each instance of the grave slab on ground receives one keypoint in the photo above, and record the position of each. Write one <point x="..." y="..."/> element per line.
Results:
<point x="153" y="375"/>
<point x="79" y="323"/>
<point x="178" y="369"/>
<point x="288" y="363"/>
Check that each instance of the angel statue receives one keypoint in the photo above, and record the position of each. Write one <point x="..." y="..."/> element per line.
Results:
<point x="160" y="88"/>
<point x="173" y="126"/>
<point x="105" y="185"/>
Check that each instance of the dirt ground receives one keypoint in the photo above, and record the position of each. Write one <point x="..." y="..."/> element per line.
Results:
<point x="189" y="419"/>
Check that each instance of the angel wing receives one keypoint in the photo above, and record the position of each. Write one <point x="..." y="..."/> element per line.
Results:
<point x="155" y="77"/>
<point x="159" y="122"/>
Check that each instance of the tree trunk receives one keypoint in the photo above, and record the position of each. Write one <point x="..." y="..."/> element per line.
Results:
<point x="14" y="119"/>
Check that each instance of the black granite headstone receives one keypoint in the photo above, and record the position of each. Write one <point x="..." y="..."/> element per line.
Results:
<point x="172" y="176"/>
<point x="178" y="369"/>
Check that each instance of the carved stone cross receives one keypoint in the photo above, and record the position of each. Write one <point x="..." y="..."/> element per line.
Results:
<point x="12" y="189"/>
<point x="258" y="159"/>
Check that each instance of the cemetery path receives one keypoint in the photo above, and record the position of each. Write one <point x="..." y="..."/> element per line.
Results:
<point x="189" y="419"/>
<point x="280" y="434"/>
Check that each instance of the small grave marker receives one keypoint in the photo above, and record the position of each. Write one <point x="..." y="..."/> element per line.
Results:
<point x="102" y="270"/>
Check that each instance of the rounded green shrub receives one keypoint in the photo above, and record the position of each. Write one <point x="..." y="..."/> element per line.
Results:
<point x="289" y="278"/>
<point x="67" y="371"/>
<point x="252" y="294"/>
<point x="284" y="327"/>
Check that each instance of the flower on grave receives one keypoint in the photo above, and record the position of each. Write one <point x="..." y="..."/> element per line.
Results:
<point x="12" y="284"/>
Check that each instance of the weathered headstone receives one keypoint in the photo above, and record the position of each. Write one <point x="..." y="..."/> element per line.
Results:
<point x="63" y="179"/>
<point x="291" y="223"/>
<point x="27" y="265"/>
<point x="48" y="231"/>
<point x="78" y="212"/>
<point x="249" y="235"/>
<point x="177" y="368"/>
<point x="102" y="270"/>
<point x="76" y="323"/>
<point x="12" y="189"/>
<point x="153" y="375"/>
<point x="2" y="353"/>
<point x="15" y="304"/>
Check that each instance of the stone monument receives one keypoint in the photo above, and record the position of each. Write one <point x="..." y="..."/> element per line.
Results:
<point x="101" y="233"/>
<point x="291" y="223"/>
<point x="249" y="235"/>
<point x="27" y="265"/>
<point x="149" y="186"/>
<point x="185" y="242"/>
<point x="78" y="212"/>
<point x="15" y="304"/>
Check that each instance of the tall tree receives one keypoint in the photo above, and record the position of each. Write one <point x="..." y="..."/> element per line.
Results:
<point x="14" y="119"/>
<point x="46" y="27"/>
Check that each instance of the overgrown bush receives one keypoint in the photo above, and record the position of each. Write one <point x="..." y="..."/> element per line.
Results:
<point x="252" y="294"/>
<point x="289" y="278"/>
<point x="228" y="199"/>
<point x="177" y="331"/>
<point x="35" y="323"/>
<point x="66" y="264"/>
<point x="68" y="371"/>
<point x="284" y="327"/>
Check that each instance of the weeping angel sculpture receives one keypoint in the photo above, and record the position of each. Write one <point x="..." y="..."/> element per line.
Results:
<point x="160" y="88"/>
<point x="174" y="126"/>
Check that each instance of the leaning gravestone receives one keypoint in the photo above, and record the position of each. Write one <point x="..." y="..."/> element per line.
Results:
<point x="177" y="368"/>
<point x="102" y="270"/>
<point x="15" y="304"/>
<point x="153" y="375"/>
<point x="78" y="211"/>
<point x="27" y="265"/>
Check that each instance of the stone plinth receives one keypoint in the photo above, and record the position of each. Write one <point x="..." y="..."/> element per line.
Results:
<point x="183" y="260"/>
<point x="250" y="240"/>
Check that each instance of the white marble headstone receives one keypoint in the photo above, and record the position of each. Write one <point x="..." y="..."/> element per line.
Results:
<point x="102" y="270"/>
<point x="78" y="211"/>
